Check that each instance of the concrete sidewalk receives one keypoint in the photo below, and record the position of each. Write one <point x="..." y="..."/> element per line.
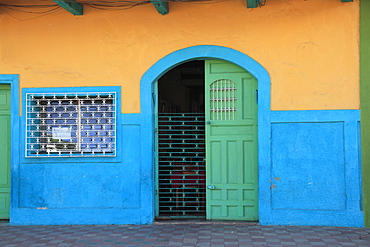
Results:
<point x="184" y="233"/>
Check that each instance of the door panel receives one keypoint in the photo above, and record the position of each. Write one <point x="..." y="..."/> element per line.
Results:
<point x="231" y="142"/>
<point x="4" y="151"/>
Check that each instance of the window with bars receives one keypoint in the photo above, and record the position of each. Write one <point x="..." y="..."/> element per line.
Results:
<point x="71" y="124"/>
<point x="223" y="100"/>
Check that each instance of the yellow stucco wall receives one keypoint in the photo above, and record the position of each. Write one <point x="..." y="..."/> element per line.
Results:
<point x="310" y="48"/>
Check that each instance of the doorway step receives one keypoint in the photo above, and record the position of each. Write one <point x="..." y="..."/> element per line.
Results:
<point x="203" y="222"/>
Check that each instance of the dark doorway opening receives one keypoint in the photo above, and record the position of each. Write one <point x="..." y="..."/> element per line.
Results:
<point x="181" y="143"/>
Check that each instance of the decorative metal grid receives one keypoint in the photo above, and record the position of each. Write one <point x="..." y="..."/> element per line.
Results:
<point x="223" y="100"/>
<point x="181" y="165"/>
<point x="70" y="124"/>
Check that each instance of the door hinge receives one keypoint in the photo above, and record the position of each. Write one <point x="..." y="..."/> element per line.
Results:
<point x="256" y="96"/>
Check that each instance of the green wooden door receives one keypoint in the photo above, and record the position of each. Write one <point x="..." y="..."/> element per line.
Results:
<point x="231" y="142"/>
<point x="4" y="151"/>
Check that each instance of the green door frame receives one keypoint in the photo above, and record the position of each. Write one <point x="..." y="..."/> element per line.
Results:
<point x="365" y="105"/>
<point x="5" y="105"/>
<point x="231" y="142"/>
<point x="13" y="81"/>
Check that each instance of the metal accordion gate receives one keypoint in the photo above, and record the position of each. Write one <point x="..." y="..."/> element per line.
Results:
<point x="181" y="165"/>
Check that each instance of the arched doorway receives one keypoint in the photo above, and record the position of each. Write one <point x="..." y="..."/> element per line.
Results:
<point x="206" y="139"/>
<point x="235" y="58"/>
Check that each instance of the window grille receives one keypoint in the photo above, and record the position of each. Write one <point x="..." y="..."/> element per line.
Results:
<point x="223" y="100"/>
<point x="71" y="124"/>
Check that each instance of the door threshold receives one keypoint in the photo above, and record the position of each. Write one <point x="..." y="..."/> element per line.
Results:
<point x="4" y="222"/>
<point x="202" y="222"/>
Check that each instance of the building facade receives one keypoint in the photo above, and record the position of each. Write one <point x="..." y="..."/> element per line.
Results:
<point x="204" y="110"/>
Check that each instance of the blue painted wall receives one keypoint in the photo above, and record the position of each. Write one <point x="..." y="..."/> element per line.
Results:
<point x="308" y="164"/>
<point x="87" y="190"/>
<point x="314" y="171"/>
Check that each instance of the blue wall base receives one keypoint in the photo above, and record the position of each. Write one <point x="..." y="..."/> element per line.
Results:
<point x="83" y="216"/>
<point x="313" y="218"/>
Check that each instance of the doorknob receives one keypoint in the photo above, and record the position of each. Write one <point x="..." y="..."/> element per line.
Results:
<point x="211" y="187"/>
<point x="208" y="122"/>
